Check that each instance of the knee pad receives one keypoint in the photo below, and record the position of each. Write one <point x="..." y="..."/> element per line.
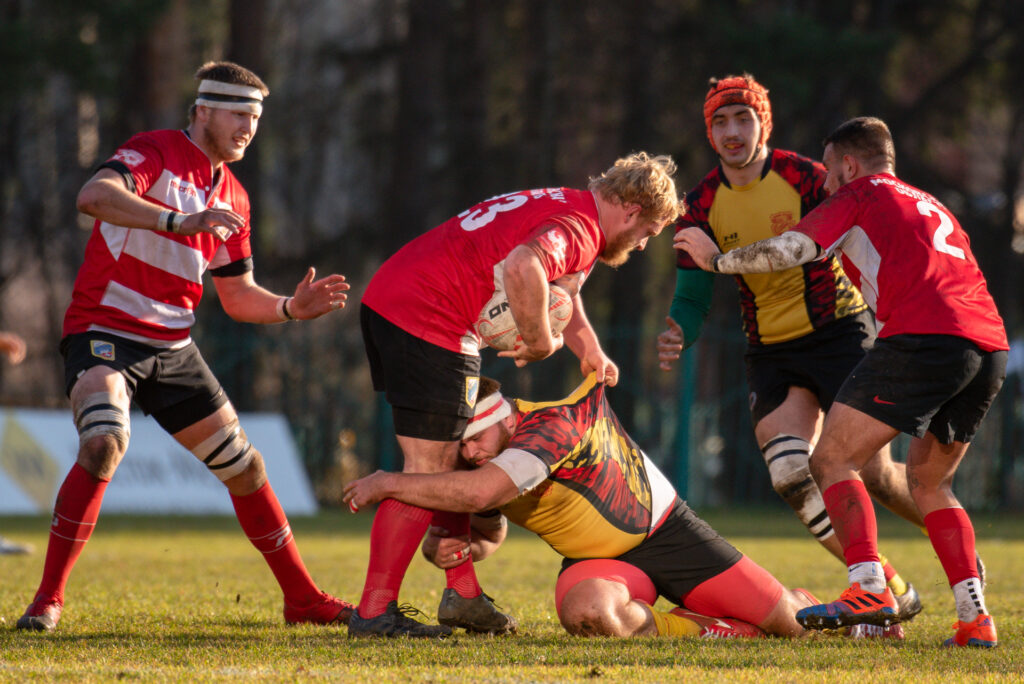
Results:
<point x="98" y="415"/>
<point x="226" y="452"/>
<point x="788" y="458"/>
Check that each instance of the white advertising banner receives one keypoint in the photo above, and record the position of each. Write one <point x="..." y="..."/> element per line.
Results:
<point x="157" y="475"/>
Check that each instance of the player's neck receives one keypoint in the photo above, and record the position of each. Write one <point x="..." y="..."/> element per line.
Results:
<point x="198" y="138"/>
<point x="740" y="176"/>
<point x="598" y="200"/>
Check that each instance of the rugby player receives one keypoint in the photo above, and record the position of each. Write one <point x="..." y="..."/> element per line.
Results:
<point x="568" y="471"/>
<point x="418" y="316"/>
<point x="938" y="363"/>
<point x="168" y="210"/>
<point x="806" y="326"/>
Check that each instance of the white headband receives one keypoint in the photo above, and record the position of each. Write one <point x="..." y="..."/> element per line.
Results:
<point x="231" y="96"/>
<point x="488" y="411"/>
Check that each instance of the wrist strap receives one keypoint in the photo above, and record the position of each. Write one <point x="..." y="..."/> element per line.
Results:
<point x="282" y="309"/>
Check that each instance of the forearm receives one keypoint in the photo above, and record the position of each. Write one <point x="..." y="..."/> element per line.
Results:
<point x="691" y="302"/>
<point x="459" y="491"/>
<point x="105" y="198"/>
<point x="579" y="335"/>
<point x="526" y="288"/>
<point x="247" y="302"/>
<point x="487" y="533"/>
<point x="766" y="256"/>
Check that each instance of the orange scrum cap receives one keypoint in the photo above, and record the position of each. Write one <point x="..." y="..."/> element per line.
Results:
<point x="742" y="90"/>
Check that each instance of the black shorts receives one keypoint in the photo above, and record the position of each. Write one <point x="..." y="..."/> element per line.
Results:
<point x="175" y="386"/>
<point x="926" y="383"/>
<point x="681" y="554"/>
<point x="432" y="391"/>
<point x="818" y="362"/>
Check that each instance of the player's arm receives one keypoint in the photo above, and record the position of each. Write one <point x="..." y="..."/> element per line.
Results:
<point x="247" y="302"/>
<point x="690" y="306"/>
<point x="487" y="531"/>
<point x="462" y="491"/>
<point x="105" y="197"/>
<point x="582" y="340"/>
<point x="790" y="249"/>
<point x="526" y="286"/>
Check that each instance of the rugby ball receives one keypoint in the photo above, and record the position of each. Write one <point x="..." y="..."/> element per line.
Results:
<point x="497" y="328"/>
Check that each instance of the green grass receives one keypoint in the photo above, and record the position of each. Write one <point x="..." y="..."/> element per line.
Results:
<point x="186" y="599"/>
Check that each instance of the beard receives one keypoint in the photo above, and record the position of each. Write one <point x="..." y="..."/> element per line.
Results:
<point x="225" y="153"/>
<point x="616" y="252"/>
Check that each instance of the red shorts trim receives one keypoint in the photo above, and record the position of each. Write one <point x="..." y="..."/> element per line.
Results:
<point x="637" y="582"/>
<point x="745" y="591"/>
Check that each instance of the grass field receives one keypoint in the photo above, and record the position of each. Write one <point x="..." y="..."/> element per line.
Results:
<point x="188" y="599"/>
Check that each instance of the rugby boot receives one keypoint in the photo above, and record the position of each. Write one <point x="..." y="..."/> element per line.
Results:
<point x="876" y="632"/>
<point x="42" y="615"/>
<point x="980" y="633"/>
<point x="720" y="628"/>
<point x="474" y="614"/>
<point x="395" y="621"/>
<point x="325" y="611"/>
<point x="855" y="606"/>
<point x="909" y="603"/>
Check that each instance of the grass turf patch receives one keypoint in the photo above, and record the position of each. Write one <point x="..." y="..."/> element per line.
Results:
<point x="187" y="598"/>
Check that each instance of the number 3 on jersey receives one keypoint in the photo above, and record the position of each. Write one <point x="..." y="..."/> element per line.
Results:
<point x="944" y="230"/>
<point x="482" y="214"/>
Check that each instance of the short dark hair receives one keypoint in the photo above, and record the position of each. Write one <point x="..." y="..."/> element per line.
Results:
<point x="867" y="138"/>
<point x="488" y="386"/>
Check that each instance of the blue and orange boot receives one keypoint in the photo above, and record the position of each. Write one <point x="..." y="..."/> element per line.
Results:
<point x="854" y="607"/>
<point x="980" y="633"/>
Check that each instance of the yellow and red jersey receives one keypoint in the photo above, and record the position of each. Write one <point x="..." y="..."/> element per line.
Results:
<point x="603" y="495"/>
<point x="781" y="306"/>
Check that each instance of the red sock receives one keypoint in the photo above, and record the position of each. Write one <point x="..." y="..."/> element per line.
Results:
<point x="74" y="517"/>
<point x="266" y="526"/>
<point x="461" y="578"/>
<point x="853" y="518"/>
<point x="395" y="535"/>
<point x="952" y="537"/>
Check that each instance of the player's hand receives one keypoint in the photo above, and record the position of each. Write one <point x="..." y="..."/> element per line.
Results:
<point x="13" y="347"/>
<point x="701" y="247"/>
<point x="366" y="491"/>
<point x="598" y="362"/>
<point x="670" y="344"/>
<point x="523" y="354"/>
<point x="314" y="298"/>
<point x="222" y="223"/>
<point x="444" y="550"/>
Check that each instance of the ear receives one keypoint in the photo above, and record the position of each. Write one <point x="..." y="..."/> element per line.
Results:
<point x="632" y="211"/>
<point x="851" y="165"/>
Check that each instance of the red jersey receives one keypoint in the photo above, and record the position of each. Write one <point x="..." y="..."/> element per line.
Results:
<point x="436" y="285"/>
<point x="910" y="258"/>
<point x="144" y="284"/>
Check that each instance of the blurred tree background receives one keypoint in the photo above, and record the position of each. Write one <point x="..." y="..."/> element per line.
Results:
<point x="388" y="116"/>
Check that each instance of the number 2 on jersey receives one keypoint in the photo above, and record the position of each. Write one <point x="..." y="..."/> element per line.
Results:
<point x="480" y="216"/>
<point x="944" y="230"/>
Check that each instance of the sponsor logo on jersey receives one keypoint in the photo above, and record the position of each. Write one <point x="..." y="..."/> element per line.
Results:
<point x="472" y="387"/>
<point x="102" y="349"/>
<point x="554" y="243"/>
<point x="129" y="157"/>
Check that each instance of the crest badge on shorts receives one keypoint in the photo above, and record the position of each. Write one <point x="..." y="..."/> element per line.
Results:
<point x="102" y="349"/>
<point x="472" y="387"/>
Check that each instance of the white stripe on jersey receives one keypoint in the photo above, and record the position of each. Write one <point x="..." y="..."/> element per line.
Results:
<point x="171" y="190"/>
<point x="856" y="246"/>
<point x="663" y="494"/>
<point x="156" y="250"/>
<point x="162" y="344"/>
<point x="142" y="308"/>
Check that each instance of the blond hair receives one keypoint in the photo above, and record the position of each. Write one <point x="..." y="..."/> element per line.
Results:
<point x="644" y="180"/>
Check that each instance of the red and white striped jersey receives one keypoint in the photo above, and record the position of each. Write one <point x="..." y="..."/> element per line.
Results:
<point x="145" y="285"/>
